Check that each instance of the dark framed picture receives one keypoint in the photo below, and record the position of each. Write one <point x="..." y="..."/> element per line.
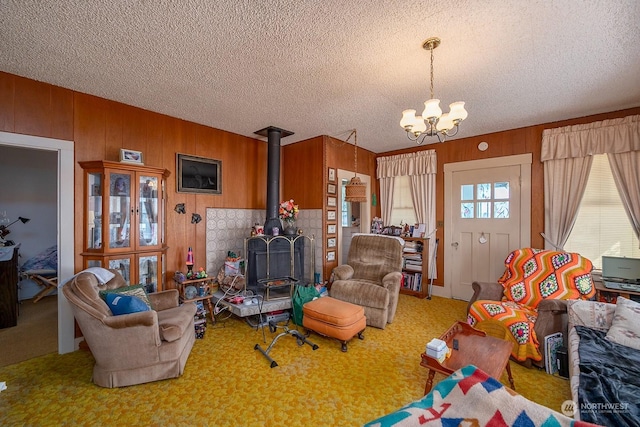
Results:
<point x="199" y="175"/>
<point x="332" y="175"/>
<point x="331" y="188"/>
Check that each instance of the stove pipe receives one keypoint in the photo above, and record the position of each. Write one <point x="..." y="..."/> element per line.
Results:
<point x="273" y="135"/>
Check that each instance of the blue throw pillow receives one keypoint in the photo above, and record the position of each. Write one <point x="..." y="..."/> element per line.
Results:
<point x="125" y="304"/>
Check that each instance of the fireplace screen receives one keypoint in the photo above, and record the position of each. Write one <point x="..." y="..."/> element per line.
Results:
<point x="274" y="258"/>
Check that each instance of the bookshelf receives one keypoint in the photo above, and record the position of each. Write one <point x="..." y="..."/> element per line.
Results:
<point x="415" y="266"/>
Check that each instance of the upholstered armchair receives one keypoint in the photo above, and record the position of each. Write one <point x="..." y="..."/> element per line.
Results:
<point x="529" y="301"/>
<point x="371" y="277"/>
<point x="131" y="348"/>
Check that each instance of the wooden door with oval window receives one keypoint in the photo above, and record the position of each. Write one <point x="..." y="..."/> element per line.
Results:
<point x="486" y="224"/>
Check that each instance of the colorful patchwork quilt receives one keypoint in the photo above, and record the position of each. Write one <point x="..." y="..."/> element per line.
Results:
<point x="469" y="397"/>
<point x="531" y="275"/>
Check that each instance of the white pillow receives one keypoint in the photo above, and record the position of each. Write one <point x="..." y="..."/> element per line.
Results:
<point x="625" y="329"/>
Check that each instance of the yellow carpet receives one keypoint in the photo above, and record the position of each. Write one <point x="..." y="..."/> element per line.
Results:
<point x="228" y="383"/>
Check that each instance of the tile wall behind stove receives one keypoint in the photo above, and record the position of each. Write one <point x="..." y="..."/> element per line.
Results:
<point x="228" y="228"/>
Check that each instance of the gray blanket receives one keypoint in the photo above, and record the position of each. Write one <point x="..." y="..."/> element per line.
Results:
<point x="609" y="391"/>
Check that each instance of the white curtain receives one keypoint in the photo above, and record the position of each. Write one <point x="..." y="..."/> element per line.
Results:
<point x="626" y="174"/>
<point x="421" y="168"/>
<point x="564" y="184"/>
<point x="386" y="198"/>
<point x="566" y="153"/>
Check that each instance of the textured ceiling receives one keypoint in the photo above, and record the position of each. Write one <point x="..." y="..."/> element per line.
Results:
<point x="324" y="67"/>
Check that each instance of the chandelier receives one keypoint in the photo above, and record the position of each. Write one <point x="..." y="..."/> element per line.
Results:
<point x="432" y="122"/>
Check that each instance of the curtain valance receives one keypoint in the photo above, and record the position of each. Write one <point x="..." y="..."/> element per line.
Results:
<point x="412" y="164"/>
<point x="607" y="136"/>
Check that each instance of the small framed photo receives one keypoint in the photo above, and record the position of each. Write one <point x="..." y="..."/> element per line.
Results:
<point x="331" y="201"/>
<point x="331" y="188"/>
<point x="331" y="242"/>
<point x="332" y="175"/>
<point x="131" y="156"/>
<point x="331" y="215"/>
<point x="331" y="229"/>
<point x="331" y="256"/>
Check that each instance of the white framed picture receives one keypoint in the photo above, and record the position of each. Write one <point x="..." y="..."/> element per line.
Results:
<point x="331" y="256"/>
<point x="331" y="242"/>
<point x="331" y="215"/>
<point x="131" y="156"/>
<point x="331" y="188"/>
<point x="331" y="201"/>
<point x="332" y="175"/>
<point x="331" y="229"/>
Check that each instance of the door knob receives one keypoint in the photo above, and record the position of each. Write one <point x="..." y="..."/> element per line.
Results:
<point x="455" y="245"/>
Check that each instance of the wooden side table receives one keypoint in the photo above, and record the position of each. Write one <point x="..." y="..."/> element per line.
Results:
<point x="197" y="283"/>
<point x="471" y="347"/>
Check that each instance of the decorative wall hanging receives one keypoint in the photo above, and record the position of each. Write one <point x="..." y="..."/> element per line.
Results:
<point x="199" y="175"/>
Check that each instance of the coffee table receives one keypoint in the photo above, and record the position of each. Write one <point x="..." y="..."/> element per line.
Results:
<point x="470" y="347"/>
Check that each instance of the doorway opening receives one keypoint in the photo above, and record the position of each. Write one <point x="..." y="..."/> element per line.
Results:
<point x="352" y="217"/>
<point x="65" y="226"/>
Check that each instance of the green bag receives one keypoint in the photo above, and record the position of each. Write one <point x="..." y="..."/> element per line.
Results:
<point x="302" y="295"/>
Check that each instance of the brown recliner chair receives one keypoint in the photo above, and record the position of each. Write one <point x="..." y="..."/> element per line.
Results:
<point x="371" y="277"/>
<point x="131" y="348"/>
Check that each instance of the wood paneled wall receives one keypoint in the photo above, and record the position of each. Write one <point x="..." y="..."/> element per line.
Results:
<point x="305" y="171"/>
<point x="506" y="143"/>
<point x="100" y="128"/>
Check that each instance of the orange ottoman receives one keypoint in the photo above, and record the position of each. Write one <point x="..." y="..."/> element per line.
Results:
<point x="334" y="318"/>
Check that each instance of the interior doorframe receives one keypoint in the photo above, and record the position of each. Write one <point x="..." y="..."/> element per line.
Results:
<point x="525" y="205"/>
<point x="65" y="209"/>
<point x="365" y="211"/>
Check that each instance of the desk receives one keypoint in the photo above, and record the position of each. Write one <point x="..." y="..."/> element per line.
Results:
<point x="604" y="294"/>
<point x="474" y="348"/>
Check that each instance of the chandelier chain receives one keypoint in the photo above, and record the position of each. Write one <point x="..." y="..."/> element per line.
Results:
<point x="431" y="49"/>
<point x="354" y="133"/>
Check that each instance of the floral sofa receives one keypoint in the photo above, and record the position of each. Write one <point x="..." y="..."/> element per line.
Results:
<point x="604" y="361"/>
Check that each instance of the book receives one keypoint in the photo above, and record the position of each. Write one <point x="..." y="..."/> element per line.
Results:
<point x="551" y="345"/>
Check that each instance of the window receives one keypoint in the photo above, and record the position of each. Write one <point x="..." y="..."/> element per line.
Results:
<point x="489" y="205"/>
<point x="402" y="212"/>
<point x="602" y="226"/>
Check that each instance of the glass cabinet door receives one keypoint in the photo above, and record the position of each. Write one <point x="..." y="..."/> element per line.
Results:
<point x="94" y="211"/>
<point x="148" y="272"/>
<point x="123" y="265"/>
<point x="148" y="210"/>
<point x="119" y="210"/>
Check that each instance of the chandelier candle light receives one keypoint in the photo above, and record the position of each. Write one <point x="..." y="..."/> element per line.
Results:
<point x="432" y="122"/>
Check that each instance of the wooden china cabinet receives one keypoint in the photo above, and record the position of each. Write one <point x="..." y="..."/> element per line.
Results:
<point x="124" y="220"/>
